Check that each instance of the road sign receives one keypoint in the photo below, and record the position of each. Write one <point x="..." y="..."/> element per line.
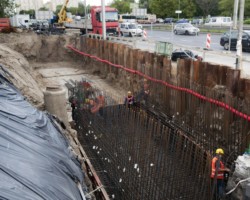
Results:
<point x="178" y="11"/>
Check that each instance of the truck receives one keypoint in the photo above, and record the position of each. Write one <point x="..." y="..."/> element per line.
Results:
<point x="93" y="21"/>
<point x="18" y="21"/>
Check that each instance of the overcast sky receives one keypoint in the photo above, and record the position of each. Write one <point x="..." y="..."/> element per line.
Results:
<point x="91" y="2"/>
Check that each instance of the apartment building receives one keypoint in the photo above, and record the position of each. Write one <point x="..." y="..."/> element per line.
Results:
<point x="51" y="5"/>
<point x="28" y="5"/>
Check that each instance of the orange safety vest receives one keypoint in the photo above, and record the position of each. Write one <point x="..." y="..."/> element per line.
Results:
<point x="220" y="174"/>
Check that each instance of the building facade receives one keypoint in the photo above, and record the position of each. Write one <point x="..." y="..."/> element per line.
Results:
<point x="51" y="5"/>
<point x="28" y="5"/>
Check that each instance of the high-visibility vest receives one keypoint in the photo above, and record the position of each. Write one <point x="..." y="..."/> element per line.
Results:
<point x="219" y="174"/>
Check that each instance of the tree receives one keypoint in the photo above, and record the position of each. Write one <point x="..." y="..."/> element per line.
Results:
<point x="30" y="12"/>
<point x="167" y="8"/>
<point x="43" y="9"/>
<point x="7" y="8"/>
<point x="121" y="6"/>
<point x="145" y="4"/>
<point x="208" y="6"/>
<point x="226" y="8"/>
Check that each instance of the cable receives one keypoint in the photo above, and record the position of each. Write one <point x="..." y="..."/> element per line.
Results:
<point x="237" y="185"/>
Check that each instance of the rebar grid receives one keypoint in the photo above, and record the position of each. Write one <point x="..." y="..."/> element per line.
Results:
<point x="140" y="157"/>
<point x="143" y="153"/>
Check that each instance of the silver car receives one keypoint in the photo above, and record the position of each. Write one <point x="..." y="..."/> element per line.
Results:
<point x="186" y="28"/>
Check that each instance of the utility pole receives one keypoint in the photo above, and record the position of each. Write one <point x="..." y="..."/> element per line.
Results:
<point x="179" y="10"/>
<point x="239" y="41"/>
<point x="103" y="20"/>
<point x="86" y="16"/>
<point x="235" y="17"/>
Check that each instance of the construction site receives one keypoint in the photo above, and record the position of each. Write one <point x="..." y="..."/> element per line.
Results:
<point x="161" y="147"/>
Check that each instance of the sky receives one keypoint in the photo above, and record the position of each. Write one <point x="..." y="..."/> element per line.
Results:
<point x="91" y="2"/>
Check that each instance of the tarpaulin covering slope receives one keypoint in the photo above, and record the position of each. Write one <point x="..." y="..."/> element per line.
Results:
<point x="35" y="160"/>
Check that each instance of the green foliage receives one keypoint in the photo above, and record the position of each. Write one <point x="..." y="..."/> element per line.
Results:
<point x="145" y="4"/>
<point x="167" y="8"/>
<point x="121" y="6"/>
<point x="28" y="12"/>
<point x="207" y="7"/>
<point x="43" y="9"/>
<point x="73" y="10"/>
<point x="247" y="21"/>
<point x="226" y="7"/>
<point x="81" y="9"/>
<point x="58" y="8"/>
<point x="7" y="8"/>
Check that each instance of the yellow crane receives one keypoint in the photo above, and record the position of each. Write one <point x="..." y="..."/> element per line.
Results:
<point x="62" y="15"/>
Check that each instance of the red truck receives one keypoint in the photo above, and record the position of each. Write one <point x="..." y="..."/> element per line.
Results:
<point x="93" y="23"/>
<point x="4" y="23"/>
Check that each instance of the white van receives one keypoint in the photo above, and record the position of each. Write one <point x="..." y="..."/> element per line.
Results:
<point x="219" y="21"/>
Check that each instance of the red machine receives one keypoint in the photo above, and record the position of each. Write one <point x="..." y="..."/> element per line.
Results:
<point x="4" y="23"/>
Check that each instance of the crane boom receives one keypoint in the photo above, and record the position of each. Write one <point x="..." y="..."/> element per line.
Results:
<point x="62" y="15"/>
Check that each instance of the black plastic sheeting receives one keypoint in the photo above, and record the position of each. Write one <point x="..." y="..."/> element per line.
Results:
<point x="35" y="159"/>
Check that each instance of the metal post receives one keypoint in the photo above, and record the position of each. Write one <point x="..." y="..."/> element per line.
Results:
<point x="179" y="9"/>
<point x="86" y="20"/>
<point x="239" y="42"/>
<point x="235" y="17"/>
<point x="103" y="20"/>
<point x="230" y="35"/>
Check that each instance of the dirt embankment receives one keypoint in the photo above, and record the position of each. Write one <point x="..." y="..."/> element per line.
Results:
<point x="35" y="61"/>
<point x="21" y="53"/>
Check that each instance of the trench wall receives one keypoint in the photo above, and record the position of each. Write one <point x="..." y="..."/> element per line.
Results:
<point x="208" y="123"/>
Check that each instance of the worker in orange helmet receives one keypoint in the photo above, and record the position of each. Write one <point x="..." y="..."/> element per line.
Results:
<point x="217" y="175"/>
<point x="129" y="100"/>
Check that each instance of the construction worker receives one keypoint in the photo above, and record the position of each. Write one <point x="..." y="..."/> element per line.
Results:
<point x="129" y="100"/>
<point x="217" y="175"/>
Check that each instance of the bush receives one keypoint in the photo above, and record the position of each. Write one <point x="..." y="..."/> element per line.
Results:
<point x="247" y="21"/>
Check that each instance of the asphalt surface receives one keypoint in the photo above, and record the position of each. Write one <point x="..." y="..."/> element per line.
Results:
<point x="215" y="54"/>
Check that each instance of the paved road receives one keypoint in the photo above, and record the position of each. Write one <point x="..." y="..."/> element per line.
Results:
<point x="216" y="54"/>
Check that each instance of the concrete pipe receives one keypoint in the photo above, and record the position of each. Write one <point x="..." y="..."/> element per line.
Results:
<point x="55" y="102"/>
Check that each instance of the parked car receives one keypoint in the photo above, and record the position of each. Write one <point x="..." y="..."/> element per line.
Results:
<point x="182" y="21"/>
<point x="224" y="40"/>
<point x="186" y="28"/>
<point x="168" y="20"/>
<point x="130" y="29"/>
<point x="198" y="21"/>
<point x="184" y="54"/>
<point x="159" y="20"/>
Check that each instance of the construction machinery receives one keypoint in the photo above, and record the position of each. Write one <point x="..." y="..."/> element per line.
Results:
<point x="93" y="21"/>
<point x="62" y="15"/>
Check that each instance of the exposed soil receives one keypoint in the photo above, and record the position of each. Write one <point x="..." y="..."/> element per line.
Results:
<point x="36" y="61"/>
